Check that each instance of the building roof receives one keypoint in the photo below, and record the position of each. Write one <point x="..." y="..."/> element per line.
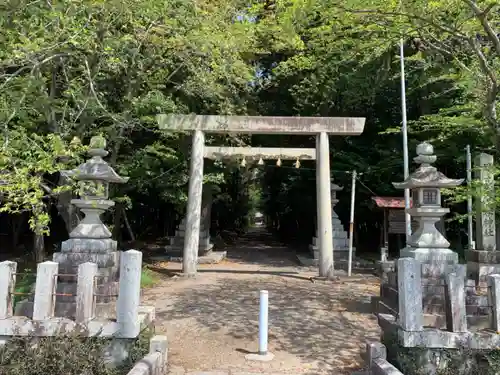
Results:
<point x="390" y="202"/>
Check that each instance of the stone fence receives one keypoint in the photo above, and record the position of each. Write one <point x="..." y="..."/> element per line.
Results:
<point x="376" y="359"/>
<point x="410" y="326"/>
<point x="154" y="363"/>
<point x="130" y="317"/>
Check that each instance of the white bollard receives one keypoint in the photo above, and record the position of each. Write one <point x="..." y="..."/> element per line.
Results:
<point x="262" y="354"/>
<point x="129" y="294"/>
<point x="263" y="321"/>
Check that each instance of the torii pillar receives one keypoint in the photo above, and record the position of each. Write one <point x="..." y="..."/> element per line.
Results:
<point x="321" y="127"/>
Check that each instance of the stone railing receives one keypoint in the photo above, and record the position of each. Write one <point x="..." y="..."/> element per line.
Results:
<point x="376" y="359"/>
<point x="154" y="363"/>
<point x="408" y="322"/>
<point x="130" y="316"/>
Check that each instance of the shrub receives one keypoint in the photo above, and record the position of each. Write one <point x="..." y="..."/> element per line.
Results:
<point x="65" y="355"/>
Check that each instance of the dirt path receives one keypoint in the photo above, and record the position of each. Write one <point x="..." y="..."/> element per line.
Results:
<point x="212" y="321"/>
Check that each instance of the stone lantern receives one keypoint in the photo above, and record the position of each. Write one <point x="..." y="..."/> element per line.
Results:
<point x="427" y="242"/>
<point x="334" y="188"/>
<point x="340" y="238"/>
<point x="94" y="177"/>
<point x="91" y="240"/>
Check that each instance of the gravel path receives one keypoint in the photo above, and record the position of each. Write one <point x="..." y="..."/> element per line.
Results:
<point x="212" y="321"/>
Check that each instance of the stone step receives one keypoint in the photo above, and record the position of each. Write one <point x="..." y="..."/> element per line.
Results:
<point x="211" y="257"/>
<point x="337" y="244"/>
<point x="182" y="233"/>
<point x="182" y="226"/>
<point x="176" y="250"/>
<point x="336" y="249"/>
<point x="179" y="241"/>
<point x="335" y="234"/>
<point x="339" y="264"/>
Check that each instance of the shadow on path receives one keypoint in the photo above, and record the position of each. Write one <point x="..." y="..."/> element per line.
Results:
<point x="314" y="328"/>
<point x="260" y="247"/>
<point x="317" y="323"/>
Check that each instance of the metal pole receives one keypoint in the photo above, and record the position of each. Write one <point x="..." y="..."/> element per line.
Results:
<point x="468" y="159"/>
<point x="404" y="130"/>
<point x="351" y="222"/>
<point x="263" y="321"/>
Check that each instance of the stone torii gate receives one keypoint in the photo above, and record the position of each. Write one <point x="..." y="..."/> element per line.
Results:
<point x="321" y="127"/>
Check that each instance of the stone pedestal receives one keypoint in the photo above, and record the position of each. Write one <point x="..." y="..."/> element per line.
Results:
<point x="484" y="260"/>
<point x="76" y="251"/>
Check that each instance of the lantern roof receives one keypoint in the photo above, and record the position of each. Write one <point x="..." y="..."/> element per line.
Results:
<point x="335" y="187"/>
<point x="96" y="168"/>
<point x="426" y="175"/>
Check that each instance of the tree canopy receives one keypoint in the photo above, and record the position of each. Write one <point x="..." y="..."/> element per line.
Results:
<point x="71" y="70"/>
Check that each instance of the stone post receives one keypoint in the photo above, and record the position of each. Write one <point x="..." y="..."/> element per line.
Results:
<point x="484" y="259"/>
<point x="485" y="210"/>
<point x="494" y="301"/>
<point x="7" y="282"/>
<point x="45" y="287"/>
<point x="193" y="212"/>
<point x="326" y="268"/>
<point x="85" y="290"/>
<point x="410" y="294"/>
<point x="129" y="295"/>
<point x="456" y="315"/>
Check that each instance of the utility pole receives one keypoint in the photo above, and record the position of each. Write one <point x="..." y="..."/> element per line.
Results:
<point x="351" y="222"/>
<point x="404" y="130"/>
<point x="468" y="160"/>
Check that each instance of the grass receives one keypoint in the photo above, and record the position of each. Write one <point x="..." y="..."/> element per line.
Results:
<point x="24" y="284"/>
<point x="148" y="278"/>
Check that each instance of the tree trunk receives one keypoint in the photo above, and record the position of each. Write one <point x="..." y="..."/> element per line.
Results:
<point x="17" y="226"/>
<point x="118" y="223"/>
<point x="127" y="225"/>
<point x="38" y="247"/>
<point x="68" y="211"/>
